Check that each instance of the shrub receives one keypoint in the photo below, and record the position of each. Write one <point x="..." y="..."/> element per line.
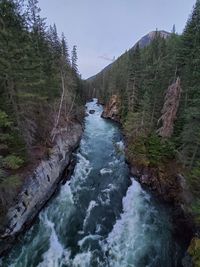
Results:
<point x="4" y="120"/>
<point x="8" y="190"/>
<point x="137" y="151"/>
<point x="11" y="181"/>
<point x="194" y="251"/>
<point x="12" y="162"/>
<point x="196" y="210"/>
<point x="159" y="150"/>
<point x="193" y="179"/>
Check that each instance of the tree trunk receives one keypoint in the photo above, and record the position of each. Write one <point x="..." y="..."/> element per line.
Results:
<point x="153" y="112"/>
<point x="12" y="93"/>
<point x="194" y="156"/>
<point x="60" y="106"/>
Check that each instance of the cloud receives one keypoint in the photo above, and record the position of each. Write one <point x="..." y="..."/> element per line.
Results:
<point x="107" y="58"/>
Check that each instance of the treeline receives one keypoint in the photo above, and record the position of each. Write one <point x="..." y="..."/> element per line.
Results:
<point x="40" y="89"/>
<point x="159" y="88"/>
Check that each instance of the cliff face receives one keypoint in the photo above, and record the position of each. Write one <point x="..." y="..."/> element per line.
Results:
<point x="112" y="109"/>
<point x="166" y="182"/>
<point x="163" y="181"/>
<point x="41" y="185"/>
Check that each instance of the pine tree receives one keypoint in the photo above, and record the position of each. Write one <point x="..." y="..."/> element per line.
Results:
<point x="190" y="58"/>
<point x="65" y="51"/>
<point x="174" y="29"/>
<point x="36" y="24"/>
<point x="34" y="71"/>
<point x="74" y="60"/>
<point x="133" y="82"/>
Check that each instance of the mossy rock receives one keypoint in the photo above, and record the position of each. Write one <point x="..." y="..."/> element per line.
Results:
<point x="194" y="251"/>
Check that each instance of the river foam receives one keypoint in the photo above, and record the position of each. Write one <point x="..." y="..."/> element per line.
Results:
<point x="101" y="217"/>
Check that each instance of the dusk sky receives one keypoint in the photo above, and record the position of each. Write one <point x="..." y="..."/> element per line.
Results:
<point x="104" y="29"/>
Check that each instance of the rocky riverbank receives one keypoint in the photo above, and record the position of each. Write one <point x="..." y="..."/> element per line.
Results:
<point x="42" y="184"/>
<point x="165" y="180"/>
<point x="167" y="183"/>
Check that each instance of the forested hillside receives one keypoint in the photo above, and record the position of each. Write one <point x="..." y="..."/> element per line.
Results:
<point x="40" y="90"/>
<point x="133" y="198"/>
<point x="158" y="87"/>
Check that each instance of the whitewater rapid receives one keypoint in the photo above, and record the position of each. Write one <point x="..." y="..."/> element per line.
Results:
<point x="101" y="217"/>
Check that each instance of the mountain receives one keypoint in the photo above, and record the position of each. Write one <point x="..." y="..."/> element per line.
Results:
<point x="147" y="39"/>
<point x="143" y="42"/>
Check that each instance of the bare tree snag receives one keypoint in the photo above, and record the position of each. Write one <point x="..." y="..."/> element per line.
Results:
<point x="60" y="106"/>
<point x="170" y="108"/>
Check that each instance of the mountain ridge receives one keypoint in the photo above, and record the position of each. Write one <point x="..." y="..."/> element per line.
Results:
<point x="143" y="42"/>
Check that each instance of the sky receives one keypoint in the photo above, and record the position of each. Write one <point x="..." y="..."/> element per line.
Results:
<point x="104" y="29"/>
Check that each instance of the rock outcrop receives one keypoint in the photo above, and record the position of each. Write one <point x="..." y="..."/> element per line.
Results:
<point x="170" y="186"/>
<point x="41" y="185"/>
<point x="165" y="183"/>
<point x="112" y="109"/>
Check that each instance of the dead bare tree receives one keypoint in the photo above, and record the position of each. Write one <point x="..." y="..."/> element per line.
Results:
<point x="62" y="75"/>
<point x="170" y="108"/>
<point x="65" y="98"/>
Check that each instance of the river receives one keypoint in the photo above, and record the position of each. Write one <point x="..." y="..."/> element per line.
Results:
<point x="101" y="217"/>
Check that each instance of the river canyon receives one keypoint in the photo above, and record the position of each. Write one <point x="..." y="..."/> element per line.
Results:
<point x="101" y="217"/>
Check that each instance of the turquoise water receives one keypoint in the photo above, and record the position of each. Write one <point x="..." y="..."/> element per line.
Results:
<point x="101" y="217"/>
